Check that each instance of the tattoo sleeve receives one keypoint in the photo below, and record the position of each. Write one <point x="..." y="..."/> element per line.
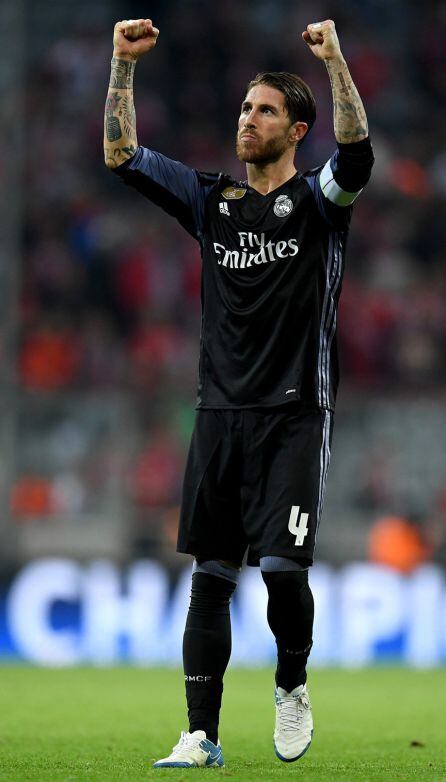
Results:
<point x="350" y="121"/>
<point x="120" y="140"/>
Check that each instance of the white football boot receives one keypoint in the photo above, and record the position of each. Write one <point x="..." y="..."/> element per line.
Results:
<point x="193" y="750"/>
<point x="294" y="723"/>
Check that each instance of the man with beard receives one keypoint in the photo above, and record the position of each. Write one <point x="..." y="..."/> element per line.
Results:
<point x="273" y="251"/>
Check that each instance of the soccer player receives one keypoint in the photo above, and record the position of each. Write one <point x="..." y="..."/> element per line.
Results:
<point x="273" y="257"/>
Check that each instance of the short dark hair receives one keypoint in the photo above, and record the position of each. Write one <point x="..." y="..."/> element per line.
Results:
<point x="299" y="100"/>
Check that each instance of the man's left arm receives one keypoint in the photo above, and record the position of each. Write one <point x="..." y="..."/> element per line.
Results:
<point x="348" y="171"/>
<point x="350" y="121"/>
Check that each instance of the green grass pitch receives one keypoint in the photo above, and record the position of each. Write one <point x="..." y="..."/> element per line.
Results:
<point x="109" y="724"/>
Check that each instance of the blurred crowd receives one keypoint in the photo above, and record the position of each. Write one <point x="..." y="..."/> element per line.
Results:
<point x="110" y="287"/>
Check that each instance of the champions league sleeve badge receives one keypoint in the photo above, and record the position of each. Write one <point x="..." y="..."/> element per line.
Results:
<point x="283" y="206"/>
<point x="233" y="192"/>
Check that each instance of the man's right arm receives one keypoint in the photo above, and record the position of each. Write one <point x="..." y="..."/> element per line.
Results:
<point x="177" y="189"/>
<point x="131" y="39"/>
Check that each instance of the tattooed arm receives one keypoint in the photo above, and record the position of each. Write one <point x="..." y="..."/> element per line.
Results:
<point x="350" y="121"/>
<point x="131" y="39"/>
<point x="120" y="141"/>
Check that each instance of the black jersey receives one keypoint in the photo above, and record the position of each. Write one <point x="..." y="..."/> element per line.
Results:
<point x="272" y="273"/>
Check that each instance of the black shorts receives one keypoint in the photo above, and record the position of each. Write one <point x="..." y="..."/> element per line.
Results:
<point x="255" y="478"/>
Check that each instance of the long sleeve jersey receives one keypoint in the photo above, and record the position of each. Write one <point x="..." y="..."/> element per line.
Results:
<point x="272" y="268"/>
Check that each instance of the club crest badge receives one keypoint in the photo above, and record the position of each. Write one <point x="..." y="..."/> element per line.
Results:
<point x="233" y="193"/>
<point x="283" y="206"/>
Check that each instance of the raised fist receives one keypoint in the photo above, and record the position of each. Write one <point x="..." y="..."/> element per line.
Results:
<point x="133" y="37"/>
<point x="322" y="39"/>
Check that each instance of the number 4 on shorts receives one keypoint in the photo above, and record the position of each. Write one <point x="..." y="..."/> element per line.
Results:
<point x="298" y="529"/>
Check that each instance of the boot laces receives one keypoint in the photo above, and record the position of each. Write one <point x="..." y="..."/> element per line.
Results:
<point x="291" y="711"/>
<point x="186" y="743"/>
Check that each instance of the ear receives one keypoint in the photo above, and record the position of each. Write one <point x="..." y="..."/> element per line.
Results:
<point x="297" y="132"/>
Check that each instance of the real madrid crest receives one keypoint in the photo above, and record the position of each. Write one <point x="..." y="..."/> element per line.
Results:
<point x="283" y="205"/>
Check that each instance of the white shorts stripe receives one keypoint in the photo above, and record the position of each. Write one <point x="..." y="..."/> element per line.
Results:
<point x="324" y="462"/>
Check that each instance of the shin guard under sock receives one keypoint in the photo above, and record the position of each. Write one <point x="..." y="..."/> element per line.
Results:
<point x="290" y="617"/>
<point x="206" y="650"/>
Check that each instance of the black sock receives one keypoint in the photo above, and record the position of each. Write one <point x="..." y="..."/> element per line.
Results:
<point x="290" y="617"/>
<point x="206" y="650"/>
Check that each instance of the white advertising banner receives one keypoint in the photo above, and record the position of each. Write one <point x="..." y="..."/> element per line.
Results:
<point x="61" y="612"/>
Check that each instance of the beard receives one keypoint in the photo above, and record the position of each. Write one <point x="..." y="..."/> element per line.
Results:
<point x="261" y="153"/>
